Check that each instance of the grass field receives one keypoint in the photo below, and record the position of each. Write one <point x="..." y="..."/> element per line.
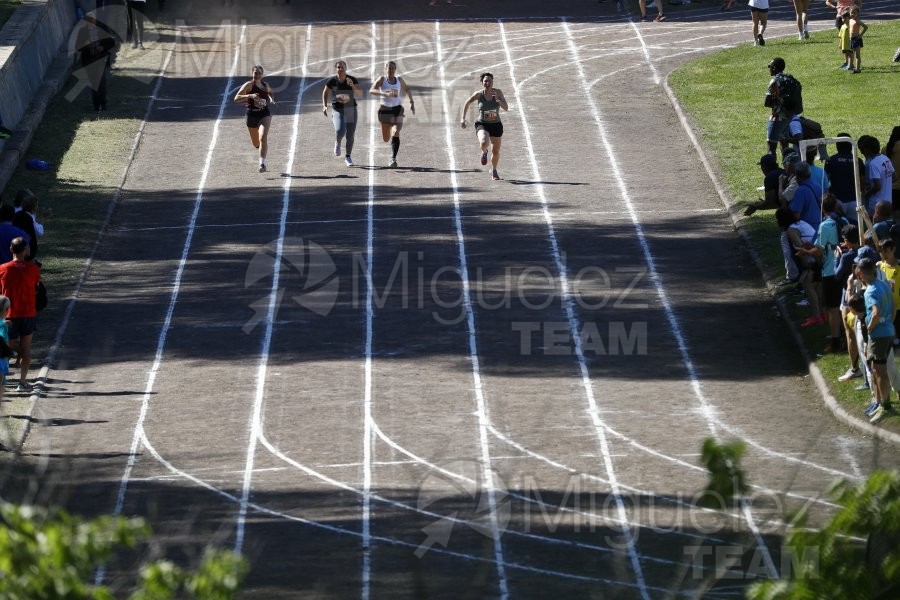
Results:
<point x="723" y="93"/>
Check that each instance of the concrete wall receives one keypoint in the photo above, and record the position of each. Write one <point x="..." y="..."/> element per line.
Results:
<point x="29" y="43"/>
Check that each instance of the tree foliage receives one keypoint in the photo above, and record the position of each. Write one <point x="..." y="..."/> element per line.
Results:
<point x="51" y="555"/>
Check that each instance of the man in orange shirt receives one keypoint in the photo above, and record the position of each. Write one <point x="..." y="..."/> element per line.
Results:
<point x="19" y="279"/>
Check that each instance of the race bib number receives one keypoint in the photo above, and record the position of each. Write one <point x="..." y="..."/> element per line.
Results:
<point x="343" y="98"/>
<point x="491" y="115"/>
<point x="260" y="103"/>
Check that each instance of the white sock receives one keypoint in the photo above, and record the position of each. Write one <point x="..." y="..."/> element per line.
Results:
<point x="262" y="161"/>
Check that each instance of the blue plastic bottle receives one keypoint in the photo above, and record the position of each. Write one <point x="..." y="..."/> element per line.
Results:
<point x="36" y="164"/>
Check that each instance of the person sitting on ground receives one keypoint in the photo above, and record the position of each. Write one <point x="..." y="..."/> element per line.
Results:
<point x="799" y="235"/>
<point x="880" y="172"/>
<point x="771" y="175"/>
<point x="19" y="280"/>
<point x="805" y="203"/>
<point x="8" y="232"/>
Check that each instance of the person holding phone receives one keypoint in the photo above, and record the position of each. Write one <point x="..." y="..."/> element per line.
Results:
<point x="487" y="125"/>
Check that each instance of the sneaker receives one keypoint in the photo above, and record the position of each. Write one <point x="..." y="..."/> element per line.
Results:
<point x="337" y="149"/>
<point x="23" y="387"/>
<point x="805" y="34"/>
<point x="897" y="55"/>
<point x="845" y="67"/>
<point x="870" y="409"/>
<point x="494" y="175"/>
<point x="800" y="36"/>
<point x="760" y="40"/>
<point x="484" y="158"/>
<point x="881" y="414"/>
<point x="862" y="387"/>
<point x="850" y="374"/>
<point x="134" y="44"/>
<point x="855" y="71"/>
<point x="348" y="161"/>
<point x="262" y="168"/>
<point x="393" y="163"/>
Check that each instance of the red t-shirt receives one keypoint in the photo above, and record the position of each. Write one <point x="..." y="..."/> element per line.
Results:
<point x="18" y="282"/>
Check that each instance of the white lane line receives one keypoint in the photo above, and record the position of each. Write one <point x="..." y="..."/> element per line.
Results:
<point x="674" y="324"/>
<point x="173" y="297"/>
<point x="370" y="315"/>
<point x="574" y="326"/>
<point x="255" y="425"/>
<point x="481" y="408"/>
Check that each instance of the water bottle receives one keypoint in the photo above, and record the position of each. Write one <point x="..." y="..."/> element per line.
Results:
<point x="36" y="164"/>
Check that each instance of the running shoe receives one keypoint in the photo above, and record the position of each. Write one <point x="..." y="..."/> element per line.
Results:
<point x="262" y="168"/>
<point x="760" y="40"/>
<point x="897" y="55"/>
<point x="337" y="149"/>
<point x="805" y="34"/>
<point x="23" y="387"/>
<point x="800" y="36"/>
<point x="845" y="67"/>
<point x="393" y="163"/>
<point x="348" y="161"/>
<point x="881" y="414"/>
<point x="850" y="374"/>
<point x="870" y="409"/>
<point x="862" y="387"/>
<point x="484" y="158"/>
<point x="855" y="71"/>
<point x="494" y="175"/>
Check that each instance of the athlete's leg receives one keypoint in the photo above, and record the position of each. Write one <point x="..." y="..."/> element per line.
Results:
<point x="264" y="125"/>
<point x="483" y="139"/>
<point x="350" y="124"/>
<point x="340" y="125"/>
<point x="386" y="132"/>
<point x="254" y="136"/>
<point x="495" y="151"/>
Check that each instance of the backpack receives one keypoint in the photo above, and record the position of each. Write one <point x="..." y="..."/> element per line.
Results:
<point x="790" y="92"/>
<point x="811" y="129"/>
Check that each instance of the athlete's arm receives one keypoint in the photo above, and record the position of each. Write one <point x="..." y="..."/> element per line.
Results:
<point x="462" y="117"/>
<point x="406" y="90"/>
<point x="242" y="94"/>
<point x="352" y="82"/>
<point x="376" y="87"/>
<point x="501" y="99"/>
<point x="271" y="95"/>
<point x="325" y="100"/>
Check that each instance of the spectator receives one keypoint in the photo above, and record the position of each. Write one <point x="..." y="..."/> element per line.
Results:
<point x="879" y="309"/>
<point x="787" y="183"/>
<point x="879" y="172"/>
<point x="771" y="175"/>
<point x="840" y="6"/>
<point x="19" y="279"/>
<point x="827" y="244"/>
<point x="839" y="169"/>
<point x="136" y="9"/>
<point x="843" y="273"/>
<point x="888" y="266"/>
<point x="796" y="236"/>
<point x="882" y="221"/>
<point x="892" y="151"/>
<point x="95" y="45"/>
<point x="778" y="124"/>
<point x="26" y="220"/>
<point x="8" y="232"/>
<point x="805" y="203"/>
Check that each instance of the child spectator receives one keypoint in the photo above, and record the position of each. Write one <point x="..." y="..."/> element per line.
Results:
<point x="879" y="309"/>
<point x="827" y="242"/>
<point x="879" y="172"/>
<point x="797" y="236"/>
<point x="857" y="30"/>
<point x="888" y="266"/>
<point x="844" y="41"/>
<point x="843" y="272"/>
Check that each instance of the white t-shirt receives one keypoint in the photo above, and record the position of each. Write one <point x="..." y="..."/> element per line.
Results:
<point x="760" y="4"/>
<point x="880" y="167"/>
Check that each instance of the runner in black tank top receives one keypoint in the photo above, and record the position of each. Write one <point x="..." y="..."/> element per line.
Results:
<point x="258" y="97"/>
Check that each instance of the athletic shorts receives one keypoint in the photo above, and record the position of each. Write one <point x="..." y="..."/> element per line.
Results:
<point x="22" y="326"/>
<point x="776" y="129"/>
<point x="831" y="292"/>
<point x="387" y="114"/>
<point x="493" y="129"/>
<point x="254" y="117"/>
<point x="759" y="10"/>
<point x="856" y="42"/>
<point x="877" y="349"/>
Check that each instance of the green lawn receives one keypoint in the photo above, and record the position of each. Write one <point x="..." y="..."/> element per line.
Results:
<point x="723" y="94"/>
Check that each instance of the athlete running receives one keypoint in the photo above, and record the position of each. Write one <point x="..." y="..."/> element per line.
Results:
<point x="488" y="125"/>
<point x="344" y="90"/>
<point x="390" y="113"/>
<point x="258" y="96"/>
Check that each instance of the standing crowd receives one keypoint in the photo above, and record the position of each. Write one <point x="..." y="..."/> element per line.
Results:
<point x="838" y="232"/>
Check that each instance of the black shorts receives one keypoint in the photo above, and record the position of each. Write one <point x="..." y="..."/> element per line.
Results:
<point x="255" y="116"/>
<point x="856" y="42"/>
<point x="493" y="129"/>
<point x="21" y="326"/>
<point x="831" y="292"/>
<point x="387" y="114"/>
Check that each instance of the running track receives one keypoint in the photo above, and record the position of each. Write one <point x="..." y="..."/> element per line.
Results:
<point x="452" y="387"/>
